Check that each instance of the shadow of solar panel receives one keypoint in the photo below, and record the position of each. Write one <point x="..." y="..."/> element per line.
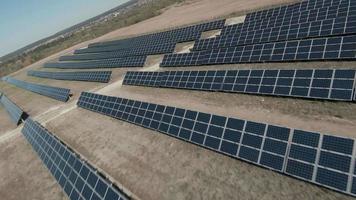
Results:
<point x="14" y="111"/>
<point x="78" y="179"/>
<point x="61" y="94"/>
<point x="297" y="153"/>
<point x="137" y="61"/>
<point x="92" y="76"/>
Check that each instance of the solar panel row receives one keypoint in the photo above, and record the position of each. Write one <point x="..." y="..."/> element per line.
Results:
<point x="345" y="9"/>
<point x="321" y="159"/>
<point x="61" y="94"/>
<point x="330" y="48"/>
<point x="171" y="36"/>
<point x="319" y="14"/>
<point x="14" y="111"/>
<point x="149" y="46"/>
<point x="285" y="10"/>
<point x="330" y="27"/>
<point x="117" y="51"/>
<point x="78" y="179"/>
<point x="93" y="76"/>
<point x="137" y="61"/>
<point x="328" y="84"/>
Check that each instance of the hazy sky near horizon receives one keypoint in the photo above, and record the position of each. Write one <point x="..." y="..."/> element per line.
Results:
<point x="23" y="22"/>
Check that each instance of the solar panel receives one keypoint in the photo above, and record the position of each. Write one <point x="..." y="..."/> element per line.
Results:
<point x="14" y="111"/>
<point x="331" y="48"/>
<point x="143" y="78"/>
<point x="318" y="158"/>
<point x="322" y="28"/>
<point x="61" y="94"/>
<point x="171" y="36"/>
<point x="286" y="10"/>
<point x="117" y="51"/>
<point x="137" y="61"/>
<point x="78" y="178"/>
<point x="93" y="76"/>
<point x="333" y="19"/>
<point x="330" y="84"/>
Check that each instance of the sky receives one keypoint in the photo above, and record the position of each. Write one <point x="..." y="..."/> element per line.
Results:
<point x="23" y="22"/>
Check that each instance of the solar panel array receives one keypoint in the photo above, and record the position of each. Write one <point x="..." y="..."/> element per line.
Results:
<point x="162" y="42"/>
<point x="324" y="28"/>
<point x="61" y="94"/>
<point x="93" y="76"/>
<point x="137" y="61"/>
<point x="307" y="31"/>
<point x="344" y="9"/>
<point x="14" y="111"/>
<point x="115" y="51"/>
<point x="286" y="10"/>
<point x="78" y="179"/>
<point x="171" y="36"/>
<point x="318" y="158"/>
<point x="330" y="84"/>
<point x="331" y="48"/>
<point x="317" y="22"/>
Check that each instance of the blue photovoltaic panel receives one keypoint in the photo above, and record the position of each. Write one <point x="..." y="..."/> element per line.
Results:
<point x="14" y="111"/>
<point x="106" y="52"/>
<point x="306" y="138"/>
<point x="302" y="153"/>
<point x="137" y="61"/>
<point x="92" y="76"/>
<point x="249" y="154"/>
<point x="331" y="84"/>
<point x="142" y="78"/>
<point x="332" y="179"/>
<point x="61" y="94"/>
<point x="272" y="161"/>
<point x="337" y="144"/>
<point x="313" y="23"/>
<point x="184" y="34"/>
<point x="275" y="146"/>
<point x="300" y="169"/>
<point x="315" y="49"/>
<point x="335" y="161"/>
<point x="282" y="33"/>
<point x="78" y="179"/>
<point x="294" y="152"/>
